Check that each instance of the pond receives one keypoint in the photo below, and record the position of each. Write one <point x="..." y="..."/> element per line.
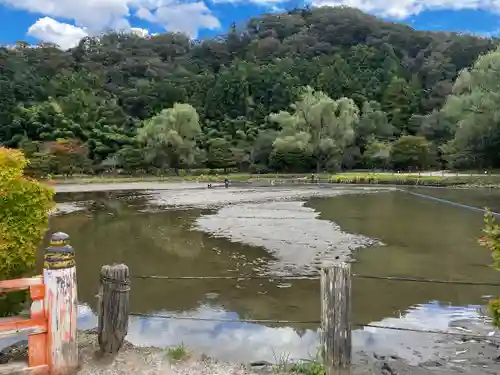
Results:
<point x="260" y="232"/>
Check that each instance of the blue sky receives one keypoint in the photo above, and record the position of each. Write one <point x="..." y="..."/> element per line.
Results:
<point x="64" y="22"/>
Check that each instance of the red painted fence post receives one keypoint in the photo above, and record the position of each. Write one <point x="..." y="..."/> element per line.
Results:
<point x="37" y="343"/>
<point x="61" y="305"/>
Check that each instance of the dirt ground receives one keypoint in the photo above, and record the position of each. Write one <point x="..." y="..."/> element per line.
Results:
<point x="464" y="357"/>
<point x="460" y="356"/>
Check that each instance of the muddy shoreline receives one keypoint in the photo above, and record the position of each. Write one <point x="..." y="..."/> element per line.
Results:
<point x="464" y="356"/>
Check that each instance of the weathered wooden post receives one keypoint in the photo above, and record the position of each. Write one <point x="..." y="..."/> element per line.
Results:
<point x="336" y="319"/>
<point x="61" y="305"/>
<point x="113" y="307"/>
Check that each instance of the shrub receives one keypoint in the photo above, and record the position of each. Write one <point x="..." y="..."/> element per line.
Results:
<point x="24" y="213"/>
<point x="491" y="240"/>
<point x="395" y="179"/>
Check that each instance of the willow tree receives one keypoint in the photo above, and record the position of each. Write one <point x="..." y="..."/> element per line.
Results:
<point x="326" y="126"/>
<point x="473" y="112"/>
<point x="170" y="136"/>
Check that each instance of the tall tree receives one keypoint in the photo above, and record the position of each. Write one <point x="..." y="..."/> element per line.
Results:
<point x="170" y="136"/>
<point x="410" y="151"/>
<point x="327" y="124"/>
<point x="473" y="110"/>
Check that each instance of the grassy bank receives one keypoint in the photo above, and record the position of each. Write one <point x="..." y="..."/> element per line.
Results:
<point x="382" y="178"/>
<point x="118" y="179"/>
<point x="234" y="177"/>
<point x="396" y="179"/>
<point x="416" y="179"/>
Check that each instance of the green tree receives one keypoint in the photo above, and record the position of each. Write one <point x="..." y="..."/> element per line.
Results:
<point x="377" y="154"/>
<point x="263" y="147"/>
<point x="410" y="151"/>
<point x="473" y="110"/>
<point x="101" y="92"/>
<point x="132" y="160"/>
<point x="373" y="122"/>
<point x="292" y="153"/>
<point x="398" y="102"/>
<point x="220" y="154"/>
<point x="170" y="136"/>
<point x="326" y="124"/>
<point x="67" y="156"/>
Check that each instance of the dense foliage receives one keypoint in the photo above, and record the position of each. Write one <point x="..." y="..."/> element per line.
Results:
<point x="24" y="212"/>
<point x="365" y="93"/>
<point x="491" y="240"/>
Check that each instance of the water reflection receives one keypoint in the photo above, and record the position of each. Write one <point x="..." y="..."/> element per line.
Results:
<point x="478" y="197"/>
<point x="422" y="238"/>
<point x="164" y="244"/>
<point x="243" y="342"/>
<point x="288" y="230"/>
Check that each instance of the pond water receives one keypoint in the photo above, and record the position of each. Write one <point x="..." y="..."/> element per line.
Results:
<point x="414" y="237"/>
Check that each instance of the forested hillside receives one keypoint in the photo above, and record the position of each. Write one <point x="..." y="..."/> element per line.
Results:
<point x="365" y="93"/>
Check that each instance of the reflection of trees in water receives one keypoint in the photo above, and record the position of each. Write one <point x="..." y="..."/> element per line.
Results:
<point x="142" y="236"/>
<point x="163" y="244"/>
<point x="423" y="239"/>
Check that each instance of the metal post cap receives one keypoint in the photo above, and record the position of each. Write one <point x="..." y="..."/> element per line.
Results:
<point x="59" y="236"/>
<point x="59" y="242"/>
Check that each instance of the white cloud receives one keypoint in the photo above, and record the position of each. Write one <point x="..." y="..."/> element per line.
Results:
<point x="391" y="8"/>
<point x="258" y="2"/>
<point x="189" y="16"/>
<point x="49" y="30"/>
<point x="145" y="14"/>
<point x="246" y="342"/>
<point x="404" y="8"/>
<point x="139" y="32"/>
<point x="67" y="36"/>
<point x="96" y="16"/>
<point x="182" y="17"/>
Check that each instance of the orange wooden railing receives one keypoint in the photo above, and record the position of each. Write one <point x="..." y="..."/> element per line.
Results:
<point x="36" y="326"/>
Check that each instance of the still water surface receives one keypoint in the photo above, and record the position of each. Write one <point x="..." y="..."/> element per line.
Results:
<point x="420" y="237"/>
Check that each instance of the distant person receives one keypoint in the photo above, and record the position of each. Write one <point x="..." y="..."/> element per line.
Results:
<point x="226" y="183"/>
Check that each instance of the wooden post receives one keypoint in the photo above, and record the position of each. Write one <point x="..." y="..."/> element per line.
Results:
<point x="335" y="318"/>
<point x="113" y="307"/>
<point x="61" y="305"/>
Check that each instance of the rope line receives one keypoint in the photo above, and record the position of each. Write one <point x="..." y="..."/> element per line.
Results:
<point x="310" y="277"/>
<point x="222" y="320"/>
<point x="422" y="280"/>
<point x="451" y="203"/>
<point x="278" y="321"/>
<point x="430" y="331"/>
<point x="266" y="217"/>
<point x="238" y="278"/>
